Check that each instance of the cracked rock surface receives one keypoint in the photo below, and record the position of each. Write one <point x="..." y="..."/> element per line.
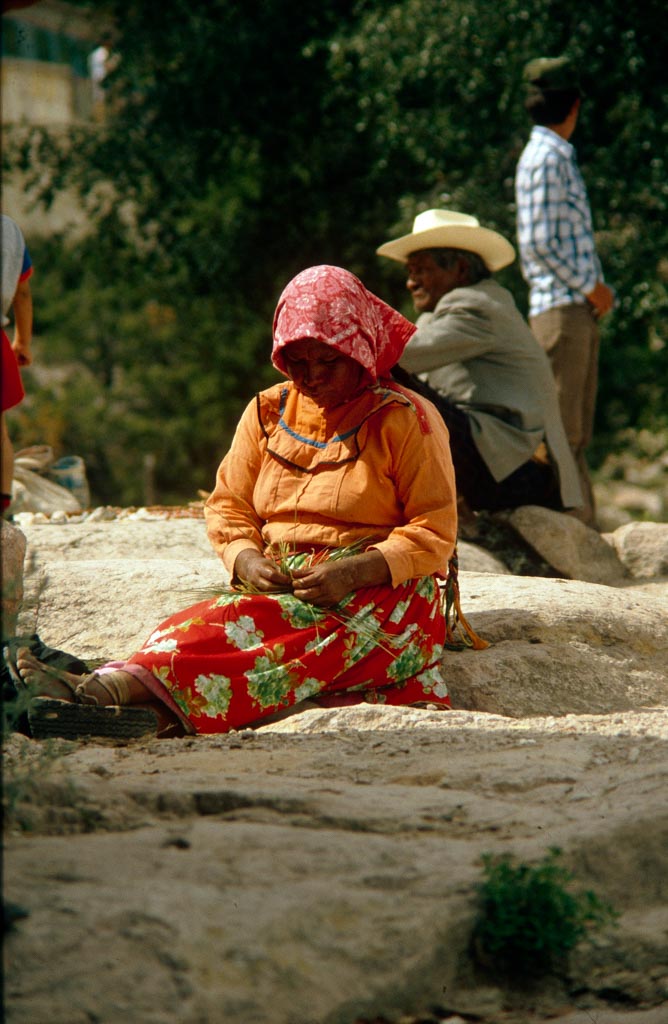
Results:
<point x="322" y="869"/>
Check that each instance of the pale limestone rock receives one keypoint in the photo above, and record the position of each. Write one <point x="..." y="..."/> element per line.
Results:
<point x="473" y="558"/>
<point x="99" y="588"/>
<point x="120" y="539"/>
<point x="13" y="554"/>
<point x="573" y="549"/>
<point x="323" y="868"/>
<point x="273" y="877"/>
<point x="558" y="645"/>
<point x="642" y="548"/>
<point x="104" y="609"/>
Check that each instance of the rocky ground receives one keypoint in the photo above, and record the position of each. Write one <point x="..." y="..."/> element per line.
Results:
<point x="323" y="869"/>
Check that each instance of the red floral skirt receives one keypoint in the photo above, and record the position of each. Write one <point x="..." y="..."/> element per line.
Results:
<point x="231" y="661"/>
<point x="12" y="385"/>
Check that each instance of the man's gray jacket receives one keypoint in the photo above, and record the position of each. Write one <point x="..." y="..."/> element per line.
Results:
<point x="477" y="350"/>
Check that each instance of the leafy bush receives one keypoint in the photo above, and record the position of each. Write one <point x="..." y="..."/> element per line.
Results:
<point x="202" y="203"/>
<point x="530" y="918"/>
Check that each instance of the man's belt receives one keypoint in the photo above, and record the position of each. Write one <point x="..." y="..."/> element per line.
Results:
<point x="513" y="419"/>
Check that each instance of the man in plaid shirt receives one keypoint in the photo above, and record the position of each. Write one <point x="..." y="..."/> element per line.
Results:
<point x="567" y="294"/>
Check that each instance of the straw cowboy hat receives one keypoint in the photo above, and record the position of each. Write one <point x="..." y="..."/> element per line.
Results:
<point x="446" y="229"/>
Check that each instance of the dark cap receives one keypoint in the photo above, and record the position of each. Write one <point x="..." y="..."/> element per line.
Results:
<point x="552" y="73"/>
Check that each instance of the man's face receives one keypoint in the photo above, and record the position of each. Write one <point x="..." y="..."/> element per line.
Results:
<point x="427" y="281"/>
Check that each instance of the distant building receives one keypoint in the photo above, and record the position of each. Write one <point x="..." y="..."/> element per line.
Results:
<point x="50" y="79"/>
<point x="46" y="68"/>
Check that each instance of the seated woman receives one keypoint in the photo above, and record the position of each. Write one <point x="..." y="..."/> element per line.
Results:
<point x="334" y="512"/>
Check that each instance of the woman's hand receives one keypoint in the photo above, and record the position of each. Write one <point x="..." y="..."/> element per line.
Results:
<point x="253" y="568"/>
<point x="329" y="582"/>
<point x="325" y="584"/>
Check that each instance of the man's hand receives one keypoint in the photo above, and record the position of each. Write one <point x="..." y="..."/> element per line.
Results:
<point x="601" y="298"/>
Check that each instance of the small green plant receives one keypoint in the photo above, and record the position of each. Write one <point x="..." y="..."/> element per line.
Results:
<point x="13" y="710"/>
<point x="26" y="765"/>
<point x="530" y="918"/>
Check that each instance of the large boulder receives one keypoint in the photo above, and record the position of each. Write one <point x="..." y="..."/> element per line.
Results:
<point x="323" y="868"/>
<point x="99" y="589"/>
<point x="560" y="646"/>
<point x="12" y="555"/>
<point x="642" y="548"/>
<point x="573" y="549"/>
<point x="474" y="558"/>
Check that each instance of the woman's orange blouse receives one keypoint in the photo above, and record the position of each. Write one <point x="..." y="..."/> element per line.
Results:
<point x="377" y="468"/>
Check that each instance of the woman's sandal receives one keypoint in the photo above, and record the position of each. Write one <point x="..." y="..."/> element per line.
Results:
<point x="74" y="718"/>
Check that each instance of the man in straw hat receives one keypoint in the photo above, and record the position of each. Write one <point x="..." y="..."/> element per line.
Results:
<point x="481" y="366"/>
<point x="567" y="294"/>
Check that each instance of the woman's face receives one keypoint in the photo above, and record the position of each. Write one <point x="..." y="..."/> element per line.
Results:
<point x="322" y="373"/>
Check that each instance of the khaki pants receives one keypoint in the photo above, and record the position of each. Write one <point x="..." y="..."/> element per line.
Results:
<point x="569" y="335"/>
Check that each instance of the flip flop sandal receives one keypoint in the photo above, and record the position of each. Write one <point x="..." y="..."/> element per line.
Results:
<point x="48" y="717"/>
<point x="76" y="719"/>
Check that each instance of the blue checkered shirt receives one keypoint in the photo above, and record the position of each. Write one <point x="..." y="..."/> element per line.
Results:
<point x="554" y="226"/>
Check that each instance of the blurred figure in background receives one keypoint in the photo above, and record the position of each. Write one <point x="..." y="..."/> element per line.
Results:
<point x="100" y="63"/>
<point x="16" y="295"/>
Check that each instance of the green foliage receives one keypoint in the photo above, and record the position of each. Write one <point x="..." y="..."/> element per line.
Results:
<point x="141" y="370"/>
<point x="530" y="919"/>
<point x="13" y="711"/>
<point x="245" y="144"/>
<point x="442" y="96"/>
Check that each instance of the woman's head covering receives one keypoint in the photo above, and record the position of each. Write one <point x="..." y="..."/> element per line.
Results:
<point x="333" y="306"/>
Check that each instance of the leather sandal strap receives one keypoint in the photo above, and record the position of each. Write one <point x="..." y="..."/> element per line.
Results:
<point x="80" y="694"/>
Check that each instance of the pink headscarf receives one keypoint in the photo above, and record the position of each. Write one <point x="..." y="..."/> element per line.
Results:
<point x="333" y="306"/>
